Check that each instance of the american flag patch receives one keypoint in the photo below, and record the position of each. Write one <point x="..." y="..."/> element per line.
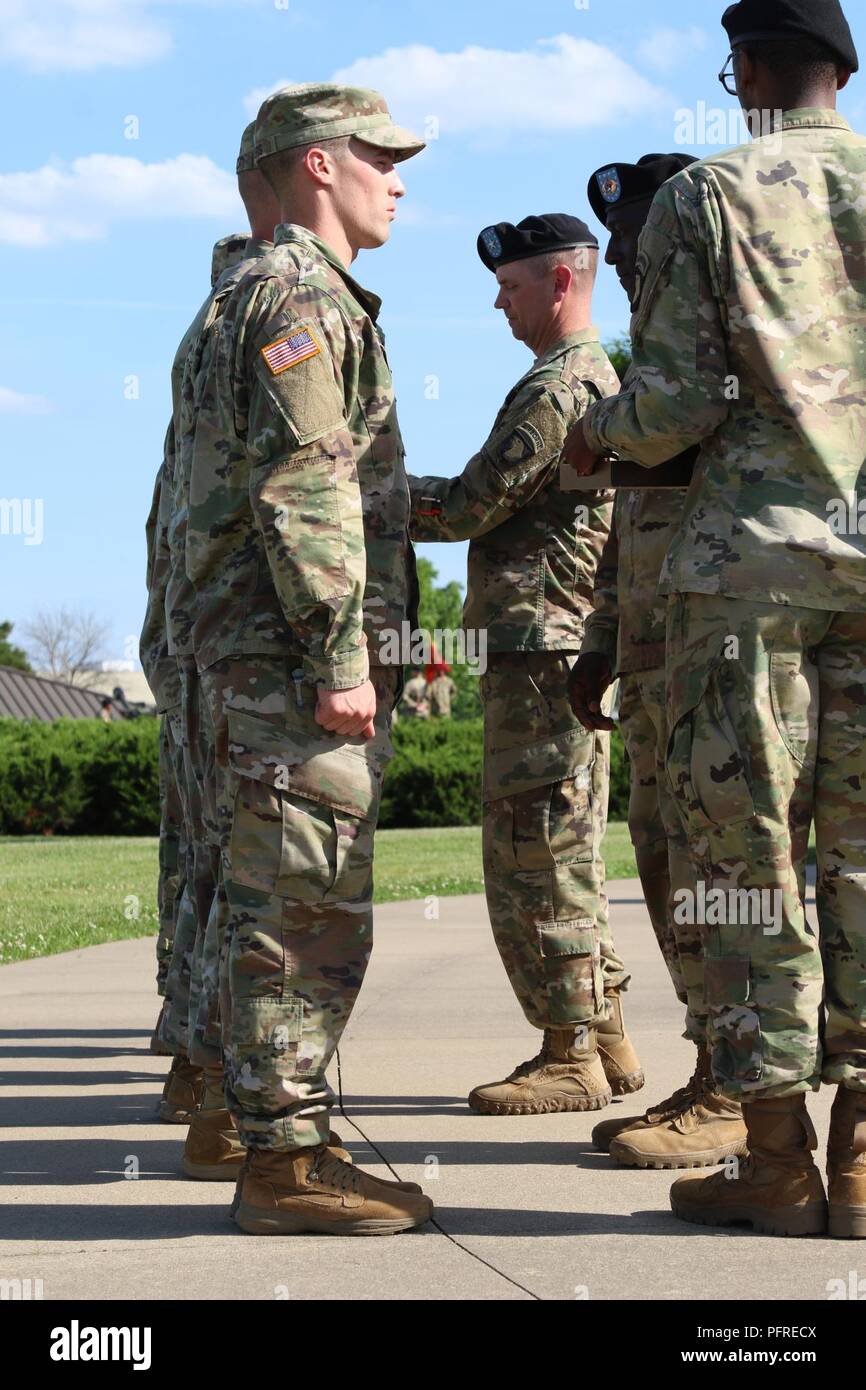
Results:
<point x="289" y="351"/>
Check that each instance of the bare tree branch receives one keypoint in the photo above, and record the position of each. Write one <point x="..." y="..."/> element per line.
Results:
<point x="66" y="644"/>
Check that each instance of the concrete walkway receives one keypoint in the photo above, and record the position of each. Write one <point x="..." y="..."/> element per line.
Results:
<point x="525" y="1207"/>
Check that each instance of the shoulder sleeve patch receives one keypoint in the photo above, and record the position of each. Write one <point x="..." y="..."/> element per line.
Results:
<point x="301" y="379"/>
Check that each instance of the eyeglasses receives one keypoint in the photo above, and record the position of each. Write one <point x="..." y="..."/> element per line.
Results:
<point x="728" y="76"/>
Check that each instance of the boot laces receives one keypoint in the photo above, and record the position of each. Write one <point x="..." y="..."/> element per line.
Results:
<point x="687" y="1097"/>
<point x="331" y="1171"/>
<point x="533" y="1064"/>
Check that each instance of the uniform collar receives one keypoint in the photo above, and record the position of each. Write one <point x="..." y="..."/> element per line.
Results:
<point x="571" y="340"/>
<point x="289" y="233"/>
<point x="806" y="117"/>
<point x="257" y="246"/>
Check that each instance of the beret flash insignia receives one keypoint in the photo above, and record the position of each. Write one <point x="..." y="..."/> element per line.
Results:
<point x="492" y="244"/>
<point x="610" y="184"/>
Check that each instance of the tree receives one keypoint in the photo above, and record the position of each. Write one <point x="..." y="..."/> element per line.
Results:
<point x="66" y="644"/>
<point x="443" y="608"/>
<point x="11" y="655"/>
<point x="619" y="352"/>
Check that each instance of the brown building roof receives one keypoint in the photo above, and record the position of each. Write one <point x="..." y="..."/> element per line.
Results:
<point x="25" y="696"/>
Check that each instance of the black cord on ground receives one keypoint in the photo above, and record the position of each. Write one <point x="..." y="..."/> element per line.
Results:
<point x="433" y="1221"/>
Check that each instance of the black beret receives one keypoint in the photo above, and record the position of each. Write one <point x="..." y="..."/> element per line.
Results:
<point x="614" y="185"/>
<point x="534" y="236"/>
<point x="821" y="20"/>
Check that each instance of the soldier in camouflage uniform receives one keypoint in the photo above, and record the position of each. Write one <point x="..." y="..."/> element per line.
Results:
<point x="167" y="652"/>
<point x="172" y="844"/>
<point x="749" y="340"/>
<point x="532" y="563"/>
<point x="416" y="698"/>
<point x="298" y="546"/>
<point x="625" y="636"/>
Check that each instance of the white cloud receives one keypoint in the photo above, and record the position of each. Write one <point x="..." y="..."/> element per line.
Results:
<point x="81" y="200"/>
<point x="16" y="403"/>
<point x="562" y="83"/>
<point x="78" y="35"/>
<point x="667" y="49"/>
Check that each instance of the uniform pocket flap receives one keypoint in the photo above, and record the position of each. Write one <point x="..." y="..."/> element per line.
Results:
<point x="727" y="979"/>
<point x="514" y="770"/>
<point x="575" y="938"/>
<point x="320" y="769"/>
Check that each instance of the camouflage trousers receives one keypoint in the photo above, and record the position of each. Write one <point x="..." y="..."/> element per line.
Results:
<point x="198" y="774"/>
<point x="297" y="875"/>
<point x="172" y="852"/>
<point x="173" y="1030"/>
<point x="767" y="713"/>
<point x="546" y="782"/>
<point x="661" y="845"/>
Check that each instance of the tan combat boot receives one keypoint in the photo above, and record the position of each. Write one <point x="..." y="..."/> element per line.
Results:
<point x="213" y="1151"/>
<point x="846" y="1165"/>
<point x="777" y="1189"/>
<point x="564" y="1076"/>
<point x="311" y="1190"/>
<point x="618" y="1057"/>
<point x="612" y="1129"/>
<point x="182" y="1092"/>
<point x="699" y="1128"/>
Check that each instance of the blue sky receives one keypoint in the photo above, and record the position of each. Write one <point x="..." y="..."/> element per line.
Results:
<point x="106" y="240"/>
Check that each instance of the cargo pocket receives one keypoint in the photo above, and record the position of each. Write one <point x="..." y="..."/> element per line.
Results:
<point x="795" y="698"/>
<point x="704" y="763"/>
<point x="572" y="969"/>
<point x="735" y="1025"/>
<point x="263" y="1046"/>
<point x="304" y="813"/>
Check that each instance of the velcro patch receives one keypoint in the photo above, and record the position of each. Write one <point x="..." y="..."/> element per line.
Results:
<point x="289" y="351"/>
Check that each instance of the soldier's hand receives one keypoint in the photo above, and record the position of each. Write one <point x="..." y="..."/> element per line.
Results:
<point x="577" y="453"/>
<point x="590" y="677"/>
<point x="347" y="712"/>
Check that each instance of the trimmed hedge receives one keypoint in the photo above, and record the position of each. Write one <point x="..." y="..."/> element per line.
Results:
<point x="84" y="777"/>
<point x="79" y="777"/>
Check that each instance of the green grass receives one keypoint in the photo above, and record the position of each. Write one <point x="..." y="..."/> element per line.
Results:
<point x="60" y="894"/>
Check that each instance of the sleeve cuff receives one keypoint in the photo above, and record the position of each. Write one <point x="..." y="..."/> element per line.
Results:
<point x="343" y="673"/>
<point x="600" y="639"/>
<point x="592" y="426"/>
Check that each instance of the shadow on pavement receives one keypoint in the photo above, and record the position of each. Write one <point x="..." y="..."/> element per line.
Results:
<point x="69" y="1111"/>
<point x="49" y="1163"/>
<point x="557" y="1153"/>
<point x="74" y="1033"/>
<point x="80" y="1078"/>
<point x="179" y="1221"/>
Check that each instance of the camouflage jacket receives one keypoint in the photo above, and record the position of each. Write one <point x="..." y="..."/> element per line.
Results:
<point x="748" y="339"/>
<point x="237" y="259"/>
<point x="298" y="537"/>
<point x="628" y="620"/>
<point x="156" y="653"/>
<point x="534" y="547"/>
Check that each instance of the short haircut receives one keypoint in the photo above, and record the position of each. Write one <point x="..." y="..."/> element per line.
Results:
<point x="279" y="169"/>
<point x="801" y="63"/>
<point x="581" y="260"/>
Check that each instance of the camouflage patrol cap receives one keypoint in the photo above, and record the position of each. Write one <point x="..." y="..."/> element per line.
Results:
<point x="246" y="153"/>
<point x="226" y="251"/>
<point x="303" y="115"/>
